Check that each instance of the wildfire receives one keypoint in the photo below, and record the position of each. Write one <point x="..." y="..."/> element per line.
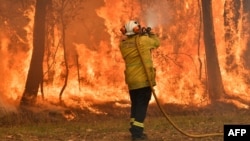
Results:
<point x="14" y="63"/>
<point x="96" y="69"/>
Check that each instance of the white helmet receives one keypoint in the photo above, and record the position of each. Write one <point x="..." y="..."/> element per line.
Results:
<point x="132" y="27"/>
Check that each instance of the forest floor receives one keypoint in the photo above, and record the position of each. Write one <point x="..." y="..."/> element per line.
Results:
<point x="110" y="122"/>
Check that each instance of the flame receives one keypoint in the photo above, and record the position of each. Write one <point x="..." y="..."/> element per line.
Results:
<point x="14" y="63"/>
<point x="96" y="68"/>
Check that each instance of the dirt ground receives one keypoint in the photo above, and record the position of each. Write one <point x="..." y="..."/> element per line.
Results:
<point x="109" y="122"/>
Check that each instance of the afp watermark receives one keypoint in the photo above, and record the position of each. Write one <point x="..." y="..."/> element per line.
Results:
<point x="236" y="132"/>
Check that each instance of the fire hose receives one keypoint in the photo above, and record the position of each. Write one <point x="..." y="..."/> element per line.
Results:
<point x="160" y="106"/>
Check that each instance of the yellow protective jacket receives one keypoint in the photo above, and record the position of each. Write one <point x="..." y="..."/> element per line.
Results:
<point x="135" y="75"/>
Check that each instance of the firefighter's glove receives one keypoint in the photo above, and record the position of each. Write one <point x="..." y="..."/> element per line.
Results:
<point x="148" y="29"/>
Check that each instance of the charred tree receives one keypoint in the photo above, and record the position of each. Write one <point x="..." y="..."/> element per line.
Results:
<point x="35" y="73"/>
<point x="215" y="85"/>
<point x="65" y="59"/>
<point x="231" y="26"/>
<point x="67" y="11"/>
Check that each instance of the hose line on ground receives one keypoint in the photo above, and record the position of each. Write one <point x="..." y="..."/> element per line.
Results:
<point x="160" y="106"/>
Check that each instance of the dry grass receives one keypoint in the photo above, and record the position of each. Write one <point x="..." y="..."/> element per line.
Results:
<point x="72" y="124"/>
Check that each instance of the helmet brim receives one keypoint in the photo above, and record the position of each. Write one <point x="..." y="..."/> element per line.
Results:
<point x="129" y="33"/>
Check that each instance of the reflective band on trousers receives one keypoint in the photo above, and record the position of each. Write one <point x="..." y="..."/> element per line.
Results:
<point x="132" y="119"/>
<point x="139" y="124"/>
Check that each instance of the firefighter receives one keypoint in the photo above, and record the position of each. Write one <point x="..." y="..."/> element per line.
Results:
<point x="135" y="74"/>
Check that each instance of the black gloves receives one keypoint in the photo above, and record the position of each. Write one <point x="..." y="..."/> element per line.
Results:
<point x="146" y="30"/>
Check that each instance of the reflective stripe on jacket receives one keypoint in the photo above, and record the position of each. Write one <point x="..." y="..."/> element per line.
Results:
<point x="135" y="75"/>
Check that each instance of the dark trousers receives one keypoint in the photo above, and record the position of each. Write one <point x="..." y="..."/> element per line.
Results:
<point x="139" y="104"/>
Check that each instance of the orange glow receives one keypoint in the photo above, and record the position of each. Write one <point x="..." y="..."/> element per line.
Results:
<point x="99" y="76"/>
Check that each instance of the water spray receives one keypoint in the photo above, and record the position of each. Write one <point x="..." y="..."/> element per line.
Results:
<point x="151" y="19"/>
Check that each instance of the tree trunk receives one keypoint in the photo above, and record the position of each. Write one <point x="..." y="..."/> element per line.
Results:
<point x="215" y="86"/>
<point x="66" y="62"/>
<point x="35" y="73"/>
<point x="231" y="25"/>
